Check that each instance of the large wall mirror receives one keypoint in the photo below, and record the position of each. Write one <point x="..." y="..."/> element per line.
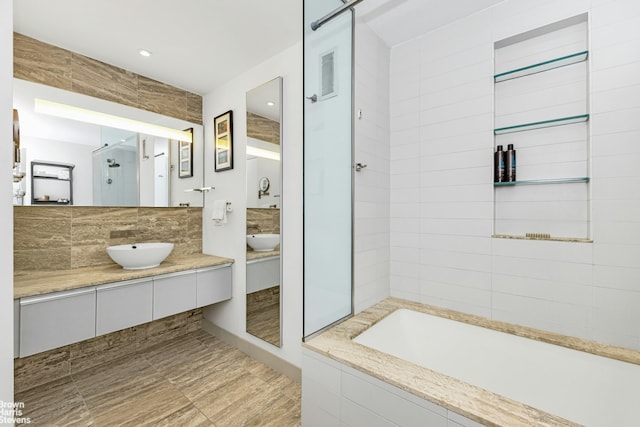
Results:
<point x="264" y="199"/>
<point x="111" y="166"/>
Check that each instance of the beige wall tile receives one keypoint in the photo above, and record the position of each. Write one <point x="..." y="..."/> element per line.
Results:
<point x="43" y="63"/>
<point x="59" y="238"/>
<point x="104" y="81"/>
<point x="40" y="62"/>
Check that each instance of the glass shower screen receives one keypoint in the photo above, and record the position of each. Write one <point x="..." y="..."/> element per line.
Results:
<point x="327" y="167"/>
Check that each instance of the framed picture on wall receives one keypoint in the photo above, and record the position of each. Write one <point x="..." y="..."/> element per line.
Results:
<point x="185" y="157"/>
<point x="223" y="141"/>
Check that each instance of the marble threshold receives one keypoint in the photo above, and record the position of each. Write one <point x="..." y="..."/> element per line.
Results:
<point x="30" y="283"/>
<point x="473" y="402"/>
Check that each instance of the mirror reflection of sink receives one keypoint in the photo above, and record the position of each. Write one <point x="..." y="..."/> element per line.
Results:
<point x="263" y="242"/>
<point x="139" y="256"/>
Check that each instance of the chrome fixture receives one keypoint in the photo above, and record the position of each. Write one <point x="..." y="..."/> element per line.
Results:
<point x="329" y="16"/>
<point x="360" y="166"/>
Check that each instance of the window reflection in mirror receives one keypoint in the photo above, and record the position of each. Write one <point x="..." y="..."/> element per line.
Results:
<point x="113" y="167"/>
<point x="264" y="199"/>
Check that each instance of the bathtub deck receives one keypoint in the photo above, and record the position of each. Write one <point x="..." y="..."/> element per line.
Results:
<point x="471" y="401"/>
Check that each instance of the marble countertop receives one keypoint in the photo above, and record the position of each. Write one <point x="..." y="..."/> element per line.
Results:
<point x="30" y="283"/>
<point x="465" y="399"/>
<point x="253" y="255"/>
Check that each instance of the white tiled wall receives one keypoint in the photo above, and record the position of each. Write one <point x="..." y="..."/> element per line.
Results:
<point x="371" y="209"/>
<point x="337" y="395"/>
<point x="441" y="193"/>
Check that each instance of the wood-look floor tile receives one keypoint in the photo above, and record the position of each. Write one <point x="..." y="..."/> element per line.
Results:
<point x="117" y="374"/>
<point x="58" y="403"/>
<point x="144" y="405"/>
<point x="283" y="413"/>
<point x="190" y="416"/>
<point x="247" y="404"/>
<point x="287" y="387"/>
<point x="129" y="391"/>
<point x="40" y="368"/>
<point x="230" y="389"/>
<point x="192" y="380"/>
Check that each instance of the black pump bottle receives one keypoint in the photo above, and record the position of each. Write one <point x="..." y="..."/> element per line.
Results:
<point x="498" y="165"/>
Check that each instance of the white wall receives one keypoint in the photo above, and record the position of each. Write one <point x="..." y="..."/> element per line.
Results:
<point x="6" y="203"/>
<point x="229" y="239"/>
<point x="441" y="179"/>
<point x="371" y="204"/>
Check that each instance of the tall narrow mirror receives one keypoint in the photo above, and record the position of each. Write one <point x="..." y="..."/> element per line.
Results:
<point x="264" y="197"/>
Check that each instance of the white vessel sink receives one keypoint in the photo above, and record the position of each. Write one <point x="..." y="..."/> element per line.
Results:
<point x="263" y="242"/>
<point x="140" y="255"/>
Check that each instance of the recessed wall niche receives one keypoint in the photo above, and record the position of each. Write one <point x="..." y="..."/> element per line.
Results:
<point x="541" y="93"/>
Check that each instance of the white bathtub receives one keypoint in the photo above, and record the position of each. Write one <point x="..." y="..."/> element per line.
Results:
<point x="581" y="387"/>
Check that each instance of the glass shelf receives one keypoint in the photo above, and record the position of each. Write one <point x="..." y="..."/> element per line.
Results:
<point x="542" y="181"/>
<point x="542" y="66"/>
<point x="542" y="124"/>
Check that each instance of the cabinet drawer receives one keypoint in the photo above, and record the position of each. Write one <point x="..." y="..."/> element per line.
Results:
<point x="213" y="285"/>
<point x="173" y="293"/>
<point x="124" y="304"/>
<point x="56" y="319"/>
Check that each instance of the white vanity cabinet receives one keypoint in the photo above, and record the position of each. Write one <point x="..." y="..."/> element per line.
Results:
<point x="173" y="293"/>
<point x="213" y="284"/>
<point x="56" y="319"/>
<point x="16" y="328"/>
<point x="121" y="305"/>
<point x="263" y="273"/>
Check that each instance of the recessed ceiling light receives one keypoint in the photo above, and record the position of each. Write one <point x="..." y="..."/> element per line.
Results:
<point x="144" y="52"/>
<point x="271" y="103"/>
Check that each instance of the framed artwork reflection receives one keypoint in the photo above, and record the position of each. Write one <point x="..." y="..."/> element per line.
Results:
<point x="185" y="157"/>
<point x="223" y="141"/>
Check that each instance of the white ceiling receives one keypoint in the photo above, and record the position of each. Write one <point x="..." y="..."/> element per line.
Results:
<point x="198" y="45"/>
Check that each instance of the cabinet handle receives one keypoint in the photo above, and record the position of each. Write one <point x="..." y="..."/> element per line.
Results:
<point x="217" y="267"/>
<point x="108" y="286"/>
<point x="55" y="296"/>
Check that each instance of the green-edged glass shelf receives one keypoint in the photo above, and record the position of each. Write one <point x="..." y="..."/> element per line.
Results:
<point x="542" y="124"/>
<point x="542" y="66"/>
<point x="542" y="181"/>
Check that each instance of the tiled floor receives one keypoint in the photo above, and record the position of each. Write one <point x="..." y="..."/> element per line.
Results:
<point x="195" y="380"/>
<point x="264" y="323"/>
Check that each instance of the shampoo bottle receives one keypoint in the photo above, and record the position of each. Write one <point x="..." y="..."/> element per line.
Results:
<point x="498" y="165"/>
<point x="510" y="164"/>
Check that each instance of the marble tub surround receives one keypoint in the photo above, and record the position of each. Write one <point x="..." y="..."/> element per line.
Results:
<point x="29" y="283"/>
<point x="467" y="400"/>
<point x="68" y="237"/>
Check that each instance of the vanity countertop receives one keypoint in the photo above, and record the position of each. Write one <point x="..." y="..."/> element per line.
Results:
<point x="253" y="255"/>
<point x="30" y="283"/>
